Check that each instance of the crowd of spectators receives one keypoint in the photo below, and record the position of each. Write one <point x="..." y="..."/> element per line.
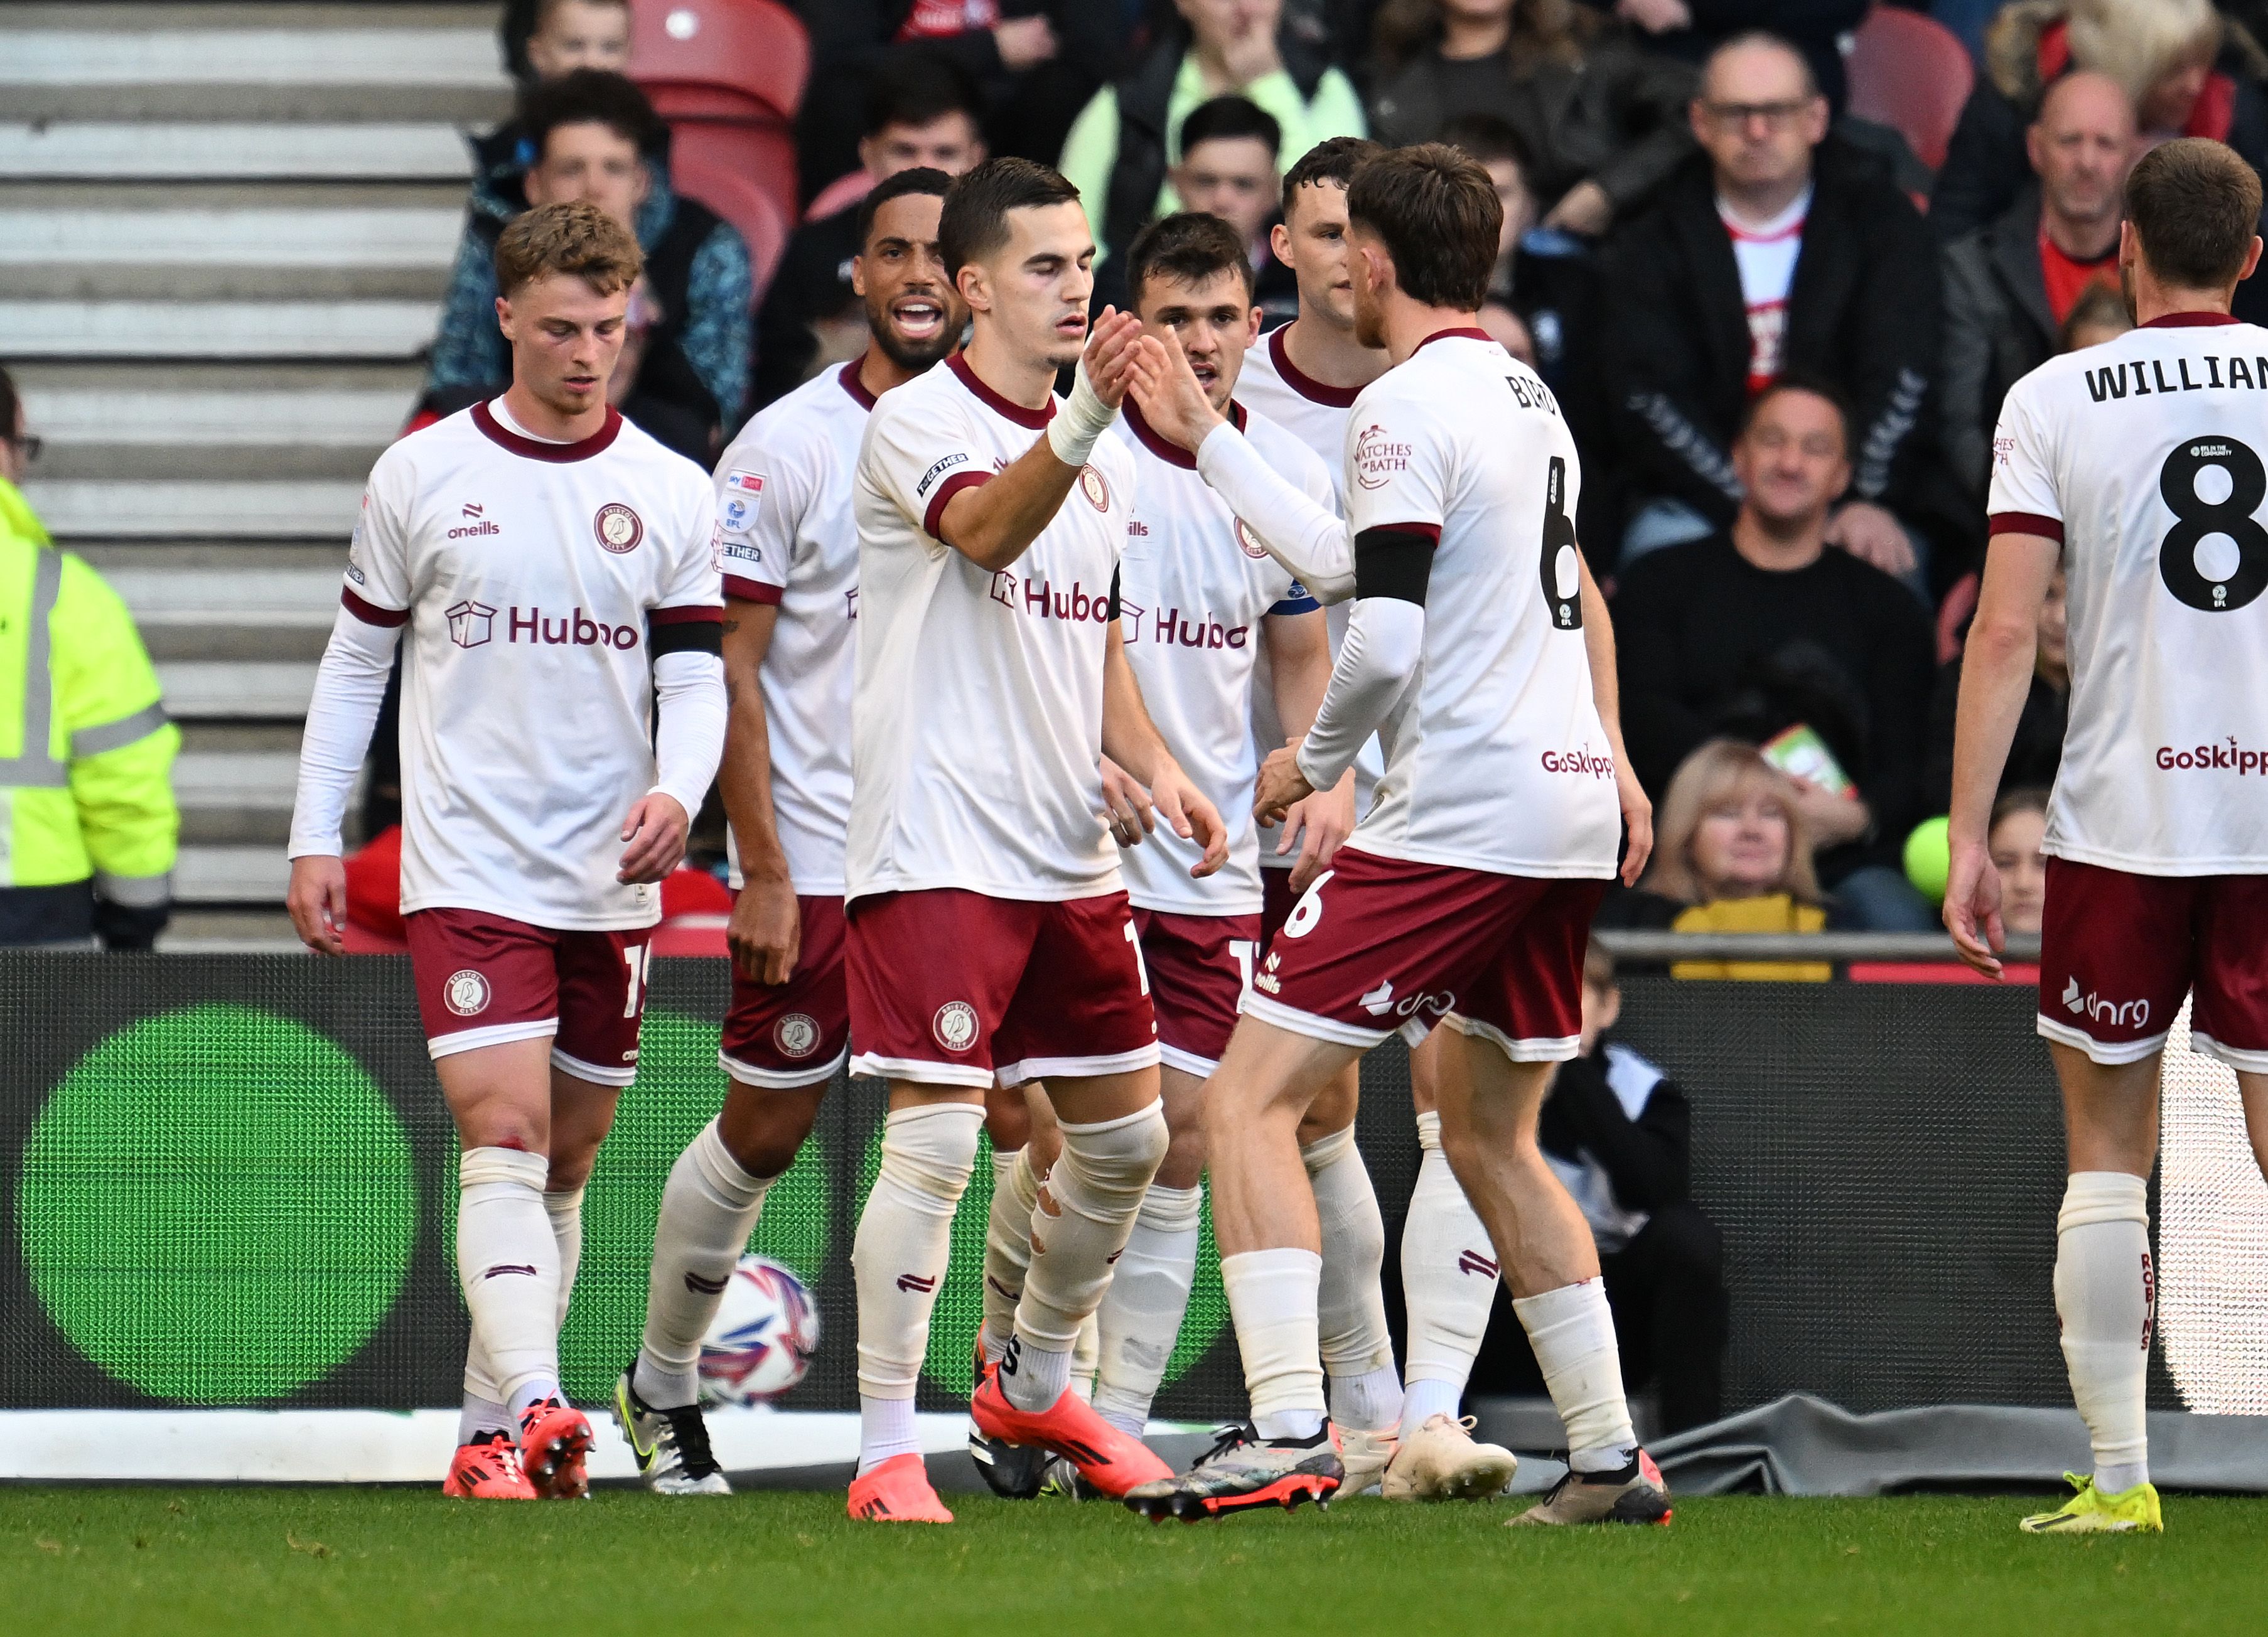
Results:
<point x="1780" y="340"/>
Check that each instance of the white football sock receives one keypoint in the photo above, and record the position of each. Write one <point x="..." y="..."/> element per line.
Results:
<point x="2104" y="1290"/>
<point x="886" y="1430"/>
<point x="1032" y="1377"/>
<point x="1086" y="1359"/>
<point x="1008" y="1247"/>
<point x="482" y="1410"/>
<point x="898" y="1257"/>
<point x="1086" y="1209"/>
<point x="1357" y="1352"/>
<point x="1271" y="1297"/>
<point x="508" y="1266"/>
<point x="564" y="1208"/>
<point x="709" y="1208"/>
<point x="1141" y="1313"/>
<point x="1449" y="1283"/>
<point x="1572" y="1331"/>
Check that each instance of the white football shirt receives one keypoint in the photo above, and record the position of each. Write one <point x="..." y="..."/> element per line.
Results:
<point x="1194" y="589"/>
<point x="533" y="577"/>
<point x="2147" y="458"/>
<point x="977" y="715"/>
<point x="1495" y="756"/>
<point x="1276" y="390"/>
<point x="788" y="538"/>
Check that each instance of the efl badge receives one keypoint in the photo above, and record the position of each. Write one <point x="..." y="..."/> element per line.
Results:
<point x="618" y="529"/>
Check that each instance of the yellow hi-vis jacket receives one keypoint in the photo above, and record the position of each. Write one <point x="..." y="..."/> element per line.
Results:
<point x="86" y="753"/>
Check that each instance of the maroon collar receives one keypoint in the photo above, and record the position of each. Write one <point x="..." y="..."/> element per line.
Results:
<point x="852" y="385"/>
<point x="1036" y="420"/>
<point x="1172" y="453"/>
<point x="1299" y="381"/>
<point x="536" y="449"/>
<point x="1463" y="332"/>
<point x="2188" y="321"/>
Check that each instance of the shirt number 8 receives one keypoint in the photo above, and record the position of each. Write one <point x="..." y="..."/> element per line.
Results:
<point x="2198" y="518"/>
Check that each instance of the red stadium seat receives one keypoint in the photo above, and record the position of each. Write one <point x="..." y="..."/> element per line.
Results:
<point x="717" y="181"/>
<point x="720" y="59"/>
<point x="1913" y="74"/>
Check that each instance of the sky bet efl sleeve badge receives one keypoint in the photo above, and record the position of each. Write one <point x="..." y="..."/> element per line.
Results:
<point x="736" y="509"/>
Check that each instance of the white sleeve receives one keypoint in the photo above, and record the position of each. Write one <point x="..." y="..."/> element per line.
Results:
<point x="2023" y="499"/>
<point x="1385" y="640"/>
<point x="1311" y="542"/>
<point x="1401" y="463"/>
<point x="377" y="582"/>
<point x="692" y="586"/>
<point x="761" y="496"/>
<point x="688" y="740"/>
<point x="920" y="461"/>
<point x="350" y="687"/>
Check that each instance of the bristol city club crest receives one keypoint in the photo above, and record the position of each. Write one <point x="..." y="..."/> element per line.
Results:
<point x="618" y="529"/>
<point x="1096" y="491"/>
<point x="796" y="1036"/>
<point x="1253" y="548"/>
<point x="466" y="993"/>
<point x="955" y="1026"/>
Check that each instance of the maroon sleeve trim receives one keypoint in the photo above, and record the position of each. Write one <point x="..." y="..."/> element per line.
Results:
<point x="688" y="614"/>
<point x="370" y="613"/>
<point x="952" y="486"/>
<point x="751" y="591"/>
<point x="1432" y="531"/>
<point x="2024" y="523"/>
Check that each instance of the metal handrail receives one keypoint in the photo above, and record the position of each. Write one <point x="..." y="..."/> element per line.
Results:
<point x="1840" y="948"/>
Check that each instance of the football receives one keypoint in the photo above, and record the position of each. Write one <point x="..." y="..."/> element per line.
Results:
<point x="767" y="1330"/>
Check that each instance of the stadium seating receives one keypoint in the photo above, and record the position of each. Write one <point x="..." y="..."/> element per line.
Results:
<point x="728" y="76"/>
<point x="1912" y="73"/>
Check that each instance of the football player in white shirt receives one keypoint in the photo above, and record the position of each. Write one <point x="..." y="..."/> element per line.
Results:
<point x="1306" y="379"/>
<point x="554" y="568"/>
<point x="988" y="930"/>
<point x="790" y="567"/>
<point x="1481" y="646"/>
<point x="2140" y="469"/>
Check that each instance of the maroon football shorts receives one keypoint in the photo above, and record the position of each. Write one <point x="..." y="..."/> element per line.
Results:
<point x="2118" y="951"/>
<point x="782" y="1036"/>
<point x="1378" y="944"/>
<point x="482" y="980"/>
<point x="1199" y="967"/>
<point x="1276" y="901"/>
<point x="951" y="988"/>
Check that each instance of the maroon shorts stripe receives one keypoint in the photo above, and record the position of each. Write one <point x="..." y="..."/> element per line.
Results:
<point x="370" y="613"/>
<point x="2024" y="523"/>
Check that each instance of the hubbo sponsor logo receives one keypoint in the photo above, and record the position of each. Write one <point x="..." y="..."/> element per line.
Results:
<point x="1042" y="600"/>
<point x="2118" y="1013"/>
<point x="1174" y="628"/>
<point x="470" y="623"/>
<point x="1579" y="762"/>
<point x="575" y="629"/>
<point x="2230" y="757"/>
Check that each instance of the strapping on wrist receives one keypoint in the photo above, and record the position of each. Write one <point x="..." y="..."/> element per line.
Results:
<point x="1081" y="419"/>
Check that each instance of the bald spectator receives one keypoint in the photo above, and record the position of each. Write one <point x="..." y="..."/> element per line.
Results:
<point x="1778" y="248"/>
<point x="2009" y="287"/>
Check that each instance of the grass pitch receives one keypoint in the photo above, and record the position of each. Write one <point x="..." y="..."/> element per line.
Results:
<point x="241" y="1561"/>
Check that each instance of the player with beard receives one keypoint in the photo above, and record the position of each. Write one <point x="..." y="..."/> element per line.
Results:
<point x="790" y="566"/>
<point x="1306" y="379"/>
<point x="988" y="932"/>
<point x="554" y="568"/>
<point x="1481" y="647"/>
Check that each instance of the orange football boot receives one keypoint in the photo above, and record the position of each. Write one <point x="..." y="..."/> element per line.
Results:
<point x="1106" y="1457"/>
<point x="554" y="1439"/>
<point x="487" y="1469"/>
<point x="896" y="1491"/>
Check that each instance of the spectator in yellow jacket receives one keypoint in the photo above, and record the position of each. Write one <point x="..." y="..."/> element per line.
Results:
<point x="87" y="820"/>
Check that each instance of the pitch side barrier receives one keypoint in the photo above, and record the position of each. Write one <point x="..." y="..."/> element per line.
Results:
<point x="226" y="1182"/>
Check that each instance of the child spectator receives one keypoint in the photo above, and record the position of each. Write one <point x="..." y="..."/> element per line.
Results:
<point x="2099" y="314"/>
<point x="2019" y="823"/>
<point x="2036" y="751"/>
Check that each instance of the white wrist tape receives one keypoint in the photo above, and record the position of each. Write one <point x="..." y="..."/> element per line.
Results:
<point x="1079" y="422"/>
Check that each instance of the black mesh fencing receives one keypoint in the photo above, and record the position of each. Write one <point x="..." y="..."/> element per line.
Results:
<point x="231" y="1180"/>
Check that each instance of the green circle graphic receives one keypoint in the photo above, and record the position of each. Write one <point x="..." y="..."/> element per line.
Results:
<point x="679" y="1090"/>
<point x="216" y="1205"/>
<point x="960" y="1310"/>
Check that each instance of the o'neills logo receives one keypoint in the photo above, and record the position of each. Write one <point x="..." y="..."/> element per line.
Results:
<point x="1378" y="456"/>
<point x="1579" y="762"/>
<point x="2225" y="758"/>
<point x="576" y="630"/>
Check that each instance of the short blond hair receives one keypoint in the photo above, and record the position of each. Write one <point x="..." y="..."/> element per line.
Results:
<point x="1720" y="771"/>
<point x="576" y="238"/>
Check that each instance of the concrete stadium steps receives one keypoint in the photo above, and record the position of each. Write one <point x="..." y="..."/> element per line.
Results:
<point x="225" y="232"/>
